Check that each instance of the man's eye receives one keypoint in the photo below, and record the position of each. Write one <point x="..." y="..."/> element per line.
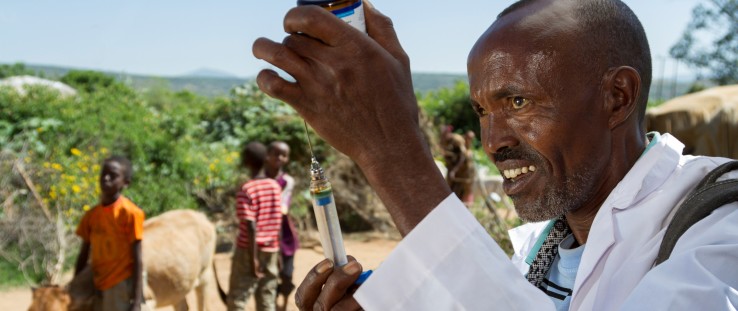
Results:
<point x="519" y="102"/>
<point x="479" y="110"/>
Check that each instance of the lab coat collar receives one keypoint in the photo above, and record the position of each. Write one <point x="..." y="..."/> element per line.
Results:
<point x="648" y="173"/>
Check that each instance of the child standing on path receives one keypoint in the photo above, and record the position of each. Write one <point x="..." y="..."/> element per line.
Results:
<point x="254" y="263"/>
<point x="278" y="154"/>
<point x="112" y="232"/>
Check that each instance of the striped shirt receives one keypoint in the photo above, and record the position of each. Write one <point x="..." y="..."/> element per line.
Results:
<point x="259" y="200"/>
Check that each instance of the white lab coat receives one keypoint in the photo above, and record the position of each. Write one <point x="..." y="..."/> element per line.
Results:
<point x="449" y="262"/>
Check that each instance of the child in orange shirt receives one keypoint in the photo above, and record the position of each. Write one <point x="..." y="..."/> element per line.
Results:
<point x="112" y="232"/>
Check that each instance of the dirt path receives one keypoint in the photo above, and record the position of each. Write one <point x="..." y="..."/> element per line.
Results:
<point x="370" y="252"/>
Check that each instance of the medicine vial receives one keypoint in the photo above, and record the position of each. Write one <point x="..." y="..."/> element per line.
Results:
<point x="351" y="11"/>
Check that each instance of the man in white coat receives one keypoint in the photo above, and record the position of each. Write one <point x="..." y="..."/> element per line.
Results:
<point x="560" y="87"/>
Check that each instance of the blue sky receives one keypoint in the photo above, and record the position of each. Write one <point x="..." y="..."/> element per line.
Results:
<point x="169" y="38"/>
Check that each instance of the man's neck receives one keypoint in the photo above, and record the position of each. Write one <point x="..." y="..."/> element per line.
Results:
<point x="580" y="220"/>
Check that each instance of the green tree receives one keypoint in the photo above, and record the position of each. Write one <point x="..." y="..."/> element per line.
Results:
<point x="716" y="19"/>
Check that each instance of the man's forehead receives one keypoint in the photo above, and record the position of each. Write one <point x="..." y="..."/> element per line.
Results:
<point x="543" y="23"/>
<point x="502" y="75"/>
<point x="546" y="18"/>
<point x="536" y="35"/>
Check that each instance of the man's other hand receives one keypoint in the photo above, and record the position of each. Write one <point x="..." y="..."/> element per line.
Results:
<point x="329" y="288"/>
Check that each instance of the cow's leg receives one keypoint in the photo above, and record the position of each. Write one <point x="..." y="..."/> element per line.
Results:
<point x="202" y="286"/>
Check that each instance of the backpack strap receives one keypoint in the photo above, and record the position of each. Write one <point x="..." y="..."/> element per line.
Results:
<point x="705" y="198"/>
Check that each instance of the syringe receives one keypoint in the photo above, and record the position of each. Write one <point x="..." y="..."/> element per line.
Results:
<point x="324" y="207"/>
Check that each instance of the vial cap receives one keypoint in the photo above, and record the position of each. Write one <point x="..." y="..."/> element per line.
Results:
<point x="317" y="2"/>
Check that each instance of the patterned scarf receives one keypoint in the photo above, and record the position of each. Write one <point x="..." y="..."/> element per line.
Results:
<point x="549" y="249"/>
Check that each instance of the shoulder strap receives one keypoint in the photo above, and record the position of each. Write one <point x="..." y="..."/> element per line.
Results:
<point x="705" y="198"/>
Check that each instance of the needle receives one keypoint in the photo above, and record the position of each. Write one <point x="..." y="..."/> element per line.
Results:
<point x="307" y="134"/>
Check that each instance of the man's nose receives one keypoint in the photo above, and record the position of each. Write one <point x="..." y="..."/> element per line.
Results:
<point x="497" y="133"/>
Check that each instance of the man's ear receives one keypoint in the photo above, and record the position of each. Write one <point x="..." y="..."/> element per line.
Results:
<point x="622" y="87"/>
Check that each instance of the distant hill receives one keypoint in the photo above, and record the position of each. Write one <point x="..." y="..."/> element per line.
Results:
<point x="211" y="83"/>
<point x="210" y="73"/>
<point x="208" y="82"/>
<point x="205" y="82"/>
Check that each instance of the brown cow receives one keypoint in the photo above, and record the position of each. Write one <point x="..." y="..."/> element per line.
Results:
<point x="178" y="249"/>
<point x="50" y="298"/>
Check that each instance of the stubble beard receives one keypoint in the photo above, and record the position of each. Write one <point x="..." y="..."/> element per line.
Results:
<point x="554" y="200"/>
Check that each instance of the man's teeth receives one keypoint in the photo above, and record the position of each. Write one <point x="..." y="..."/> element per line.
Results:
<point x="512" y="173"/>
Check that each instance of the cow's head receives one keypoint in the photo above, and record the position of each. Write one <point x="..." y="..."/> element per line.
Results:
<point x="50" y="298"/>
<point x="78" y="295"/>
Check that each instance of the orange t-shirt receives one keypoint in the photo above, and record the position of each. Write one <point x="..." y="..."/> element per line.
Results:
<point x="111" y="231"/>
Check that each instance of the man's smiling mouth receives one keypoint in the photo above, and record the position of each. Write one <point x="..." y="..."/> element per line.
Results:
<point x="513" y="173"/>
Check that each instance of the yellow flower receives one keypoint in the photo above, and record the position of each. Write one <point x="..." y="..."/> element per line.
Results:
<point x="40" y="129"/>
<point x="52" y="194"/>
<point x="104" y="150"/>
<point x="86" y="207"/>
<point x="76" y="189"/>
<point x="212" y="166"/>
<point x="56" y="166"/>
<point x="47" y="164"/>
<point x="76" y="152"/>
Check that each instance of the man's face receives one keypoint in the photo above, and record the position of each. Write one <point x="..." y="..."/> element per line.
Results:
<point x="543" y="124"/>
<point x="112" y="179"/>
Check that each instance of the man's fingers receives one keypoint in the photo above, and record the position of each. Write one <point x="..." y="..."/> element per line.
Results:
<point x="308" y="291"/>
<point x="309" y="48"/>
<point x="280" y="56"/>
<point x="316" y="22"/>
<point x="275" y="86"/>
<point x="338" y="284"/>
<point x="347" y="304"/>
<point x="381" y="29"/>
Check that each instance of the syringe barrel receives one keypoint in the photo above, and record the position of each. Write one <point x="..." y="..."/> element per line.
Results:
<point x="326" y="217"/>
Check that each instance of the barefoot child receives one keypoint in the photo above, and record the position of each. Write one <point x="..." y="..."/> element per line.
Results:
<point x="111" y="234"/>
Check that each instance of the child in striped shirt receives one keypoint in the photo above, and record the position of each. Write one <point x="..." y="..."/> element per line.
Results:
<point x="254" y="262"/>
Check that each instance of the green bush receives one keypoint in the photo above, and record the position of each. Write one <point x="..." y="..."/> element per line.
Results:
<point x="184" y="147"/>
